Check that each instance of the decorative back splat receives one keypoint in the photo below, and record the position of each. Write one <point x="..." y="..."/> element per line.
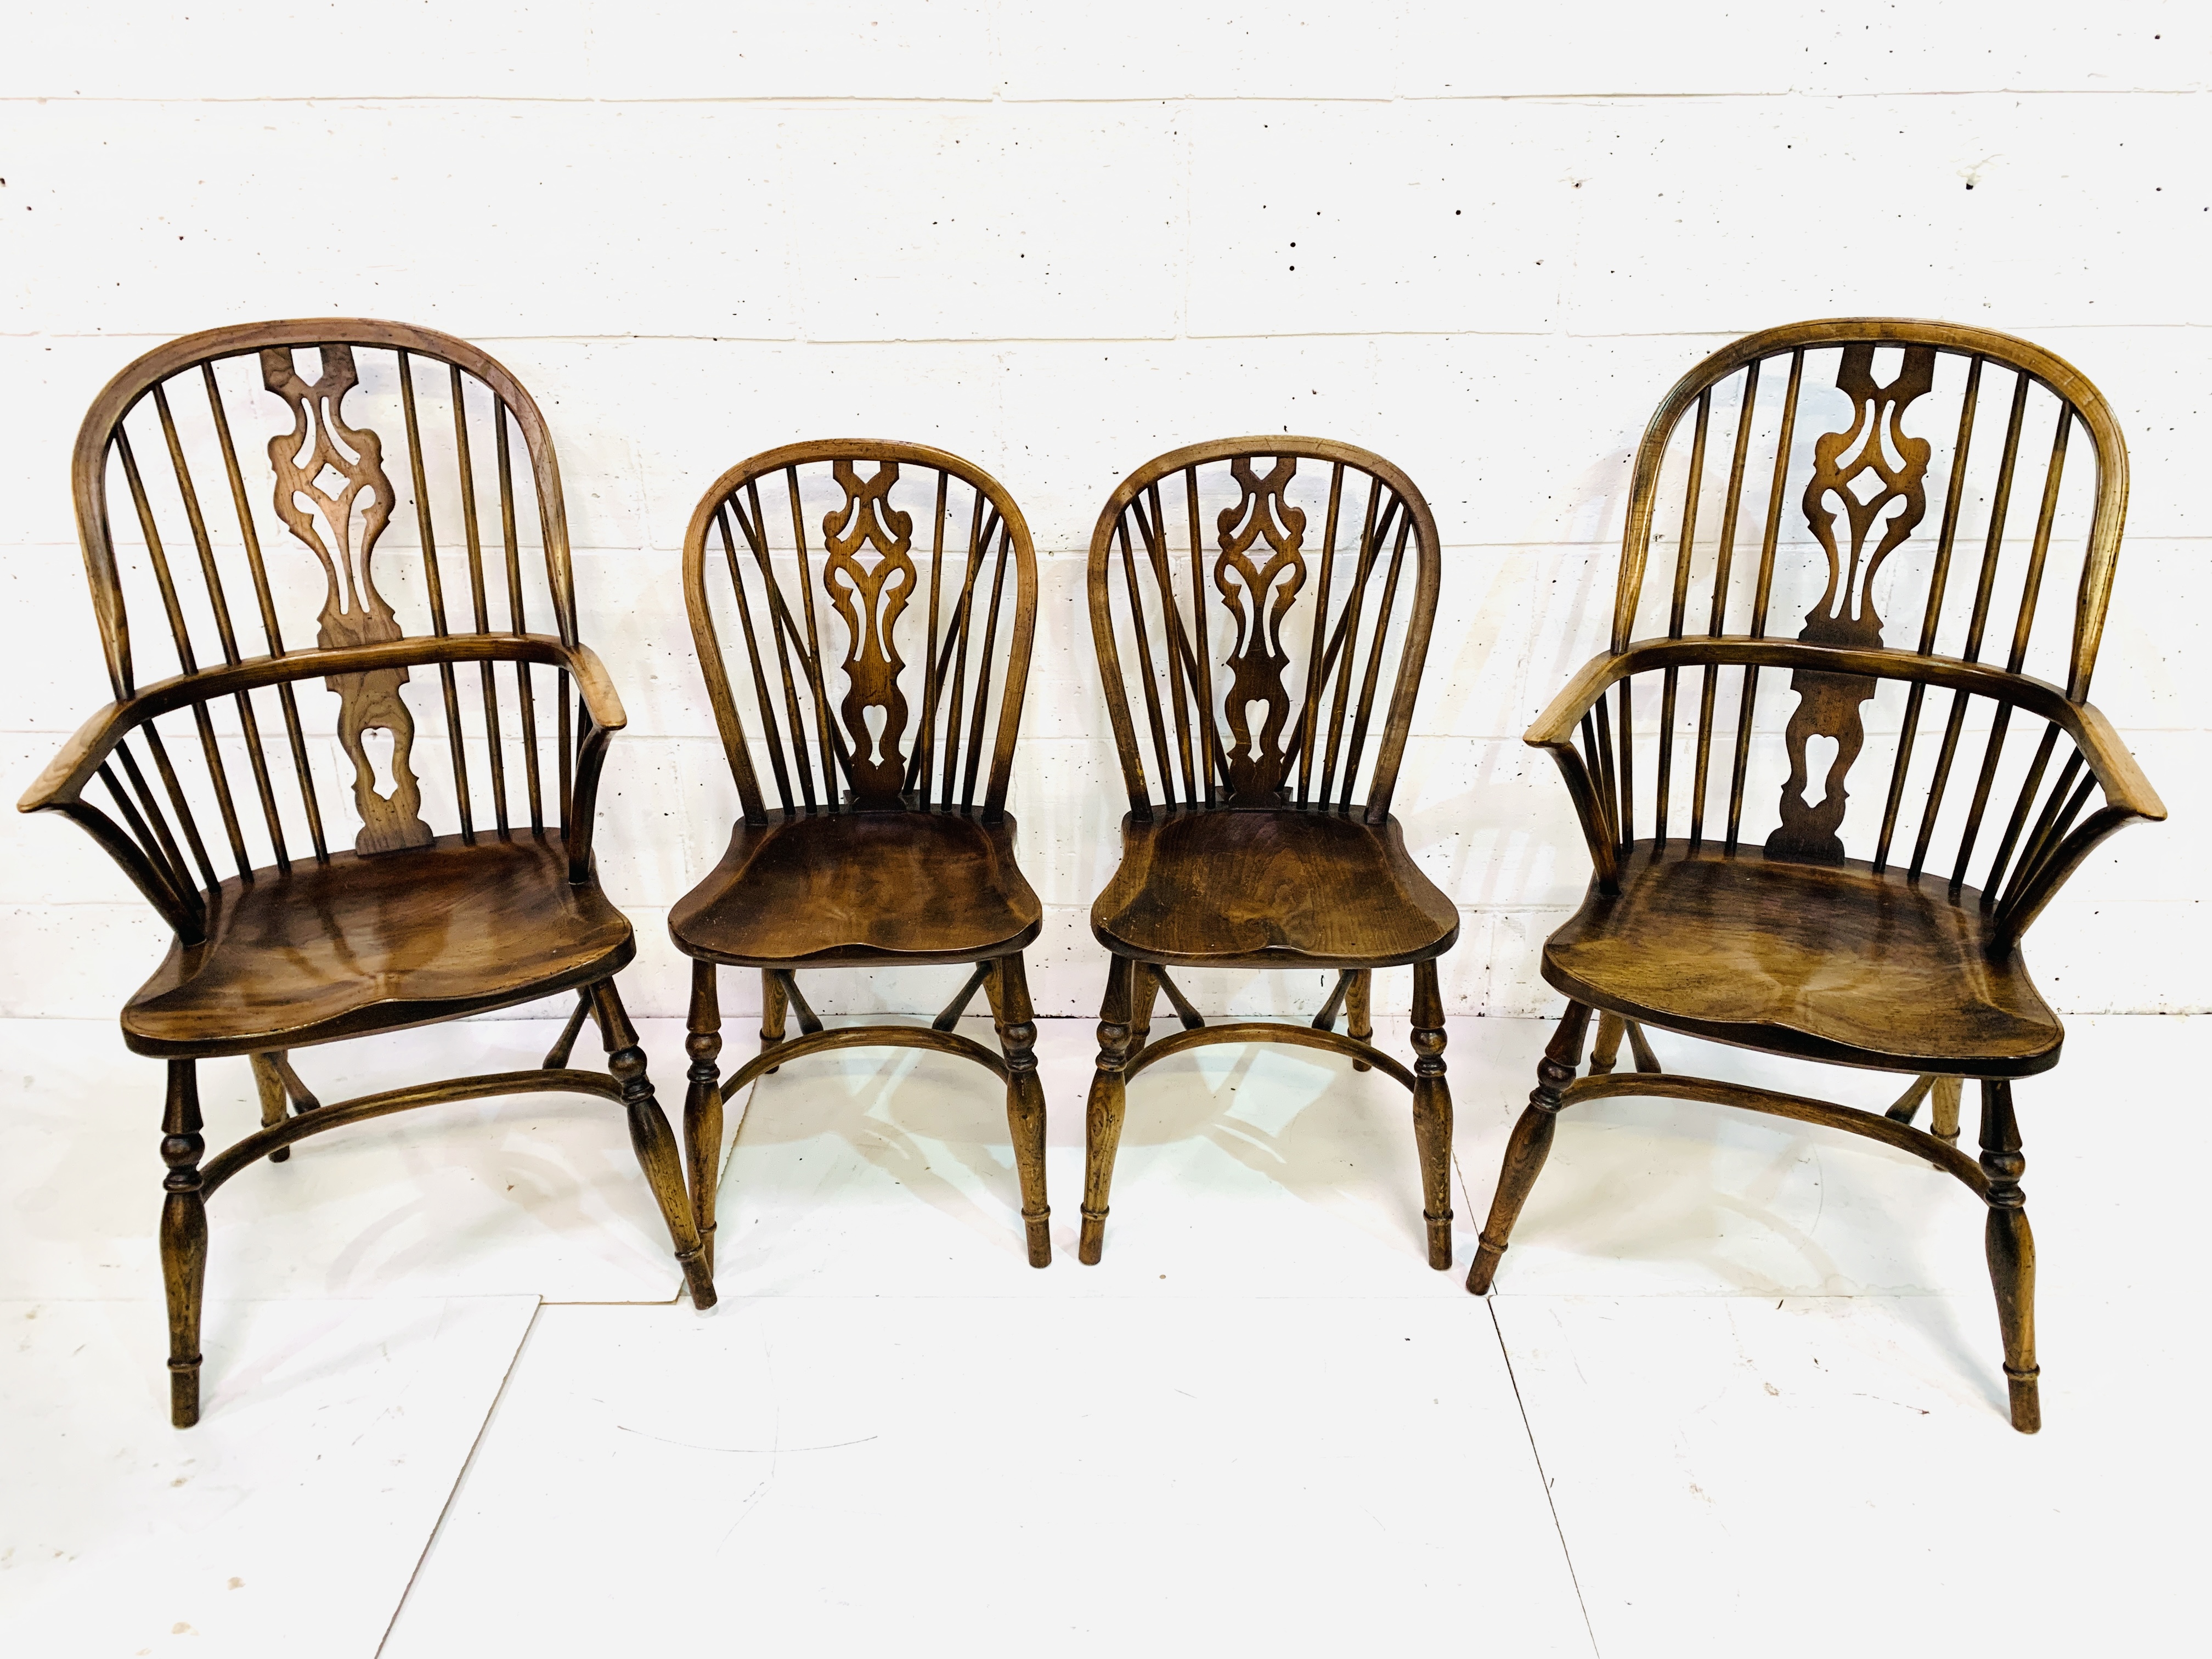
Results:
<point x="1258" y="762"/>
<point x="321" y="447"/>
<point x="868" y="573"/>
<point x="1853" y="484"/>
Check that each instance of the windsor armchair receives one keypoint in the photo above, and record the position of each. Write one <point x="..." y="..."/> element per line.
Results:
<point x="305" y="941"/>
<point x="1262" y="851"/>
<point x="890" y="842"/>
<point x="1781" y="941"/>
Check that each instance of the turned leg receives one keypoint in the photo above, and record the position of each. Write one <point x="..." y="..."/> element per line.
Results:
<point x="1607" y="1049"/>
<point x="1358" y="1021"/>
<point x="1024" y="1101"/>
<point x="1144" y="996"/>
<point x="775" y="1006"/>
<point x="1432" y="1111"/>
<point x="1531" y="1144"/>
<point x="1943" y="1110"/>
<point x="1109" y="1097"/>
<point x="702" y="1104"/>
<point x="2011" y="1249"/>
<point x="183" y="1239"/>
<point x="652" y="1140"/>
<point x="274" y="1102"/>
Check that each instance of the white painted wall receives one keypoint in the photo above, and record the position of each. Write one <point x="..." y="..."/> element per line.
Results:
<point x="1059" y="240"/>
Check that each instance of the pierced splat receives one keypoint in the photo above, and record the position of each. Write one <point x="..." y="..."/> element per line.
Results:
<point x="1259" y="762"/>
<point x="327" y="468"/>
<point x="868" y="574"/>
<point x="1855" y="485"/>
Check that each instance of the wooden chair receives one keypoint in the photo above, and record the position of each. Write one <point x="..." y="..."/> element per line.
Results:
<point x="229" y="764"/>
<point x="1774" y="938"/>
<point x="889" y="843"/>
<point x="1263" y="850"/>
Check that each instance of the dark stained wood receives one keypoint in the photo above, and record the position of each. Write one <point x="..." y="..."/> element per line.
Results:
<point x="926" y="886"/>
<point x="1833" y="963"/>
<point x="1787" y="943"/>
<point x="1202" y="888"/>
<point x="294" y="946"/>
<point x="1261" y="837"/>
<point x="889" y="729"/>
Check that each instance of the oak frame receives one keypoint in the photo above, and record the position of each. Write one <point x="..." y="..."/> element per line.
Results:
<point x="976" y="911"/>
<point x="1836" y="664"/>
<point x="362" y="656"/>
<point x="1236" y="799"/>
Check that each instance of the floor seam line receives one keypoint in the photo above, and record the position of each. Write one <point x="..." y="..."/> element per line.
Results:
<point x="1489" y="1305"/>
<point x="460" y="1476"/>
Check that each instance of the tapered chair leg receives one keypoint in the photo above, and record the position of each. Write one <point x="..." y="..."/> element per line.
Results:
<point x="1024" y="1101"/>
<point x="702" y="1104"/>
<point x="1358" y="1016"/>
<point x="652" y="1140"/>
<point x="2011" y="1249"/>
<point x="775" y="1005"/>
<point x="1531" y="1144"/>
<point x="1109" y="1097"/>
<point x="183" y="1237"/>
<point x="269" y="1082"/>
<point x="1432" y="1111"/>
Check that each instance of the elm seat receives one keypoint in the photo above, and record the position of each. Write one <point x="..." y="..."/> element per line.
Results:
<point x="916" y="886"/>
<point x="1270" y="887"/>
<point x="376" y="944"/>
<point x="1813" y="960"/>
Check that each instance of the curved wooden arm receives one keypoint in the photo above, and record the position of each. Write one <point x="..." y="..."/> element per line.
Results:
<point x="59" y="787"/>
<point x="83" y="756"/>
<point x="2128" y="794"/>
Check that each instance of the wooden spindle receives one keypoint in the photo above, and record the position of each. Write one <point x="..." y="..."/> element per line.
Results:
<point x="1209" y="745"/>
<point x="433" y="577"/>
<point x="2023" y="803"/>
<point x="1954" y="495"/>
<point x="925" y="749"/>
<point x="2031" y="585"/>
<point x="479" y="603"/>
<point x="984" y="664"/>
<point x="1378" y="639"/>
<point x="1309" y="717"/>
<point x="1145" y="671"/>
<point x="1992" y="752"/>
<point x="981" y="530"/>
<point x="831" y="750"/>
<point x="2000" y="505"/>
<point x="763" y="700"/>
<point x="151" y="825"/>
<point x="785" y="632"/>
<point x="1181" y="671"/>
<point x="295" y="732"/>
<point x="1381" y="521"/>
<point x="526" y="700"/>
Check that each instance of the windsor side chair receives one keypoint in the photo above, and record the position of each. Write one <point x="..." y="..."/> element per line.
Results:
<point x="1247" y="859"/>
<point x="889" y="843"/>
<point x="1780" y="941"/>
<point x="304" y="944"/>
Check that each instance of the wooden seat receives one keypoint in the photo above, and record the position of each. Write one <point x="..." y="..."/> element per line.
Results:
<point x="360" y="945"/>
<point x="889" y="840"/>
<point x="815" y="889"/>
<point x="1878" y="927"/>
<point x="1246" y="591"/>
<point x="1812" y="960"/>
<point x="1267" y="889"/>
<point x="241" y="460"/>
